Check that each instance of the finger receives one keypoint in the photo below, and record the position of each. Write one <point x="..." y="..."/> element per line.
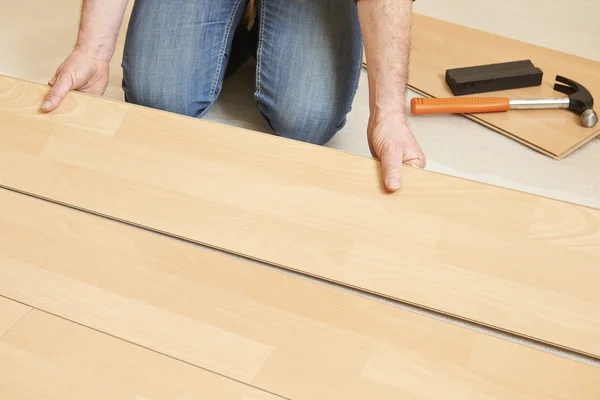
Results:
<point x="391" y="164"/>
<point x="59" y="90"/>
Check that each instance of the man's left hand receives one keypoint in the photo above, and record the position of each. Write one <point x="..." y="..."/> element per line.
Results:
<point x="393" y="143"/>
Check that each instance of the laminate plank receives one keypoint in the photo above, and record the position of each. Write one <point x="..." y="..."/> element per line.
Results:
<point x="291" y="336"/>
<point x="46" y="357"/>
<point x="11" y="312"/>
<point x="438" y="45"/>
<point x="479" y="252"/>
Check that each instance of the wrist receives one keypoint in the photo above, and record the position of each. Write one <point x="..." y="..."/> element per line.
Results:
<point x="379" y="115"/>
<point x="387" y="96"/>
<point x="95" y="49"/>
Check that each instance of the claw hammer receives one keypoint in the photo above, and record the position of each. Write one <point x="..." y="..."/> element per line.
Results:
<point x="578" y="99"/>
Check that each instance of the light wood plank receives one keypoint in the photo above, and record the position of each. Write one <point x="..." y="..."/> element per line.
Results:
<point x="282" y="333"/>
<point x="10" y="313"/>
<point x="46" y="357"/>
<point x="483" y="253"/>
<point x="439" y="45"/>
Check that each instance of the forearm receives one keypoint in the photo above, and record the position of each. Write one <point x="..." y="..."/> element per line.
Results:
<point x="99" y="27"/>
<point x="385" y="26"/>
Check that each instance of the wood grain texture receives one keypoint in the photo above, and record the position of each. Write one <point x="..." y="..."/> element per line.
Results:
<point x="288" y="335"/>
<point x="439" y="45"/>
<point x="483" y="253"/>
<point x="11" y="312"/>
<point x="45" y="357"/>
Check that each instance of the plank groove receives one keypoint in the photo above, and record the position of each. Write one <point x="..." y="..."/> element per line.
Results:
<point x="11" y="313"/>
<point x="479" y="252"/>
<point x="46" y="357"/>
<point x="273" y="330"/>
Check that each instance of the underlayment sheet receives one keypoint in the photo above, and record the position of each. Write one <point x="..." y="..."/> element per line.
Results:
<point x="517" y="262"/>
<point x="438" y="45"/>
<point x="280" y="333"/>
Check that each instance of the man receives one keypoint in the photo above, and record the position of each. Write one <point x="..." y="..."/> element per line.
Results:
<point x="308" y="57"/>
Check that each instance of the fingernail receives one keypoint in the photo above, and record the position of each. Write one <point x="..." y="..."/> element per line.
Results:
<point x="46" y="105"/>
<point x="393" y="183"/>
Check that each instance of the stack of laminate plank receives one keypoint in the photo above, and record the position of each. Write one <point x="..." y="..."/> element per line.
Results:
<point x="110" y="286"/>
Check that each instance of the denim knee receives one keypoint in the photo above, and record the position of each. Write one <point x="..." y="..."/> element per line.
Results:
<point x="314" y="122"/>
<point x="145" y="91"/>
<point x="175" y="53"/>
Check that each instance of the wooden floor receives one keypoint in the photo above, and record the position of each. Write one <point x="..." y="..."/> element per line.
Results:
<point x="517" y="262"/>
<point x="91" y="307"/>
<point x="165" y="312"/>
<point x="47" y="357"/>
<point x="94" y="308"/>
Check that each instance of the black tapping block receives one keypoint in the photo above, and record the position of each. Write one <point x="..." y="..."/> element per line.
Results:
<point x="493" y="77"/>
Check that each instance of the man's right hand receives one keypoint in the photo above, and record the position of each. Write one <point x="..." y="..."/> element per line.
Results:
<point x="79" y="72"/>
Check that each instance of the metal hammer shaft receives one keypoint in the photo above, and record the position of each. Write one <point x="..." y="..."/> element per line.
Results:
<point x="560" y="102"/>
<point x="474" y="105"/>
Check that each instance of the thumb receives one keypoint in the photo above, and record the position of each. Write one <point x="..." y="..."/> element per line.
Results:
<point x="391" y="164"/>
<point x="60" y="87"/>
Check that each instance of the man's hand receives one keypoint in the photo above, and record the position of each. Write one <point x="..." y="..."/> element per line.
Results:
<point x="78" y="72"/>
<point x="393" y="143"/>
<point x="386" y="29"/>
<point x="86" y="68"/>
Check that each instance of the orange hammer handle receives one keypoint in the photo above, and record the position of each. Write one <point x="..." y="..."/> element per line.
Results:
<point x="463" y="105"/>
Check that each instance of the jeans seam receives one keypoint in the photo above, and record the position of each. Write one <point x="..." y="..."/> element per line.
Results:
<point x="357" y="75"/>
<point x="259" y="51"/>
<point x="223" y="49"/>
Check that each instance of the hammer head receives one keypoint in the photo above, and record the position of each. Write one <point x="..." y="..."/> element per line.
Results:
<point x="580" y="100"/>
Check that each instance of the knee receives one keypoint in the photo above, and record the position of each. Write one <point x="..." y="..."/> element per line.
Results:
<point x="163" y="95"/>
<point x="314" y="122"/>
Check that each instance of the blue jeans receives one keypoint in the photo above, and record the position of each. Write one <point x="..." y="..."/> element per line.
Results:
<point x="308" y="60"/>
